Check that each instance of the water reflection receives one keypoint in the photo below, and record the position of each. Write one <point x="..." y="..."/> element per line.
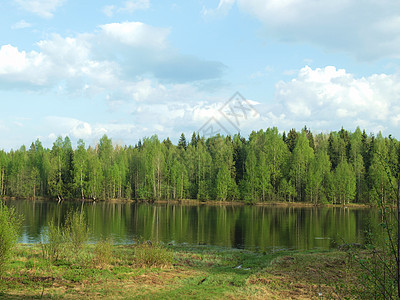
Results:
<point x="250" y="227"/>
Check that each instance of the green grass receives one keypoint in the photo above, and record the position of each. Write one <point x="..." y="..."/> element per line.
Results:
<point x="198" y="272"/>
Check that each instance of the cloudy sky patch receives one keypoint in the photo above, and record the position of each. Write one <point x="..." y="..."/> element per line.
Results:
<point x="135" y="68"/>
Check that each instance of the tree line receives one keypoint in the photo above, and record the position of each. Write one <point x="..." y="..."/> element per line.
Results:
<point x="339" y="167"/>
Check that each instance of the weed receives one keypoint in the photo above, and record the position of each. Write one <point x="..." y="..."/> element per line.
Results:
<point x="30" y="264"/>
<point x="9" y="228"/>
<point x="53" y="243"/>
<point x="149" y="254"/>
<point x="103" y="252"/>
<point x="76" y="230"/>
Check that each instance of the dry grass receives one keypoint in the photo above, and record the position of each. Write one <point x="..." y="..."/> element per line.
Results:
<point x="197" y="272"/>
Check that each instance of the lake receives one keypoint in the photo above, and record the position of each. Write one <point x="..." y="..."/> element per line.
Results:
<point x="256" y="228"/>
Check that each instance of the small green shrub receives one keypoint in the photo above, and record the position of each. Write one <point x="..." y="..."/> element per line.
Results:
<point x="53" y="242"/>
<point x="103" y="252"/>
<point x="30" y="264"/>
<point x="149" y="254"/>
<point x="76" y="231"/>
<point x="9" y="229"/>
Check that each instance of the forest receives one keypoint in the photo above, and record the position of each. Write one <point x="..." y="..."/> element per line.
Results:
<point x="337" y="167"/>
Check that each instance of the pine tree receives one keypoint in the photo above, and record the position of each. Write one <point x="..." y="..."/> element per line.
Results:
<point x="182" y="142"/>
<point x="291" y="139"/>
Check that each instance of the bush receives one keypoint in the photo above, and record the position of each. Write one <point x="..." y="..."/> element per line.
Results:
<point x="53" y="243"/>
<point x="149" y="254"/>
<point x="103" y="252"/>
<point x="76" y="230"/>
<point x="9" y="228"/>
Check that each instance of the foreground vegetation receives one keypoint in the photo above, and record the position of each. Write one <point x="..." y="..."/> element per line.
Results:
<point x="339" y="167"/>
<point x="200" y="272"/>
<point x="64" y="265"/>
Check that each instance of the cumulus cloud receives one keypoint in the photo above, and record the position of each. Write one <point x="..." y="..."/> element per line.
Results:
<point x="128" y="7"/>
<point x="327" y="98"/>
<point x="69" y="126"/>
<point x="42" y="8"/>
<point x="77" y="129"/>
<point x="118" y="57"/>
<point x="368" y="31"/>
<point x="20" y="66"/>
<point x="81" y="130"/>
<point x="323" y="99"/>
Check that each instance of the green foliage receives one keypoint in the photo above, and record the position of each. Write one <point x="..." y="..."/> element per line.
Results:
<point x="76" y="230"/>
<point x="344" y="188"/>
<point x="381" y="265"/>
<point x="67" y="239"/>
<point x="148" y="254"/>
<point x="268" y="166"/>
<point x="103" y="252"/>
<point x="302" y="157"/>
<point x="53" y="242"/>
<point x="9" y="229"/>
<point x="318" y="177"/>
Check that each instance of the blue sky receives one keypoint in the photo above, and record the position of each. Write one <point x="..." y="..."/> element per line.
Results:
<point x="135" y="68"/>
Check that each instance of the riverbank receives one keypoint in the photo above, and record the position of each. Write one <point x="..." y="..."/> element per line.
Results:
<point x="199" y="272"/>
<point x="208" y="202"/>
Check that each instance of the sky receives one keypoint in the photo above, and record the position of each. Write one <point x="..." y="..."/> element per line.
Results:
<point x="134" y="68"/>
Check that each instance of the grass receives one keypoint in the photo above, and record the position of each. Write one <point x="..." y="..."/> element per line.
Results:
<point x="198" y="272"/>
<point x="153" y="255"/>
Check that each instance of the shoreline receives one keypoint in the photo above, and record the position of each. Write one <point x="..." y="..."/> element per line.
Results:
<point x="200" y="202"/>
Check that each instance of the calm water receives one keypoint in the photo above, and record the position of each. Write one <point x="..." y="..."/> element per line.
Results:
<point x="249" y="227"/>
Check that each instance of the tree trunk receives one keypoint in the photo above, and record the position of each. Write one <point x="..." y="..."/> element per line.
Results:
<point x="182" y="187"/>
<point x="82" y="185"/>
<point x="154" y="185"/>
<point x="2" y="183"/>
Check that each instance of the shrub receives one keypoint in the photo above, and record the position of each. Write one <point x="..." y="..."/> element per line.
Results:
<point x="103" y="252"/>
<point x="53" y="242"/>
<point x="149" y="254"/>
<point x="9" y="228"/>
<point x="76" y="231"/>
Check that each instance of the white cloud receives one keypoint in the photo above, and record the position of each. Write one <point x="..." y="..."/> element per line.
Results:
<point x="19" y="66"/>
<point x="21" y="25"/>
<point x="43" y="8"/>
<point x="136" y="34"/>
<point x="108" y="10"/>
<point x="323" y="99"/>
<point x="126" y="59"/>
<point x="68" y="126"/>
<point x="369" y="31"/>
<point x="223" y="8"/>
<point x="129" y="7"/>
<point x="81" y="130"/>
<point x="133" y="5"/>
<point x="329" y="98"/>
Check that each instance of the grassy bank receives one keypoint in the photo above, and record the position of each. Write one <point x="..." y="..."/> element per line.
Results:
<point x="200" y="272"/>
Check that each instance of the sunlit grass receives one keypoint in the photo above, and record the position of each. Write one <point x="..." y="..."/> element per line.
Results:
<point x="199" y="272"/>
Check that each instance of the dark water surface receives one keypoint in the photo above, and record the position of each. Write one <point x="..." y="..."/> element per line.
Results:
<point x="248" y="227"/>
